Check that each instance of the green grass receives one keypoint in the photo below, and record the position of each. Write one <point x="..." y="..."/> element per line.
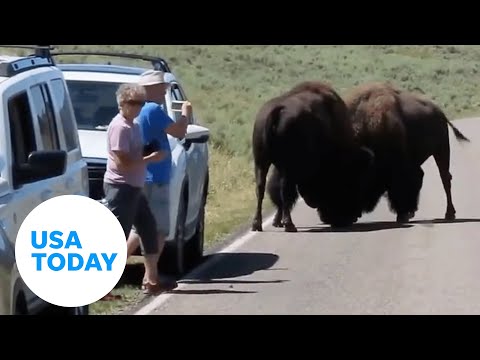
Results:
<point x="227" y="85"/>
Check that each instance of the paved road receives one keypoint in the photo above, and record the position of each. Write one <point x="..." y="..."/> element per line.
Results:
<point x="426" y="267"/>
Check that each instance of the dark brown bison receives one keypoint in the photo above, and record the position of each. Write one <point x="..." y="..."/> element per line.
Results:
<point x="306" y="135"/>
<point x="403" y="129"/>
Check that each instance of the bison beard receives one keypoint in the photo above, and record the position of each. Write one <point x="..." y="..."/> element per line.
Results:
<point x="403" y="130"/>
<point x="306" y="135"/>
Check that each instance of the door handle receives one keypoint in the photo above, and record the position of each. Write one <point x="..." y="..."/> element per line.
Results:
<point x="45" y="195"/>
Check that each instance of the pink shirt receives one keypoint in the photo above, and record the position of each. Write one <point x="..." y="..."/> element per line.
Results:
<point x="126" y="137"/>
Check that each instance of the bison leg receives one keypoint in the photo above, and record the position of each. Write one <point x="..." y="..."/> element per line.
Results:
<point x="273" y="189"/>
<point x="283" y="194"/>
<point x="261" y="172"/>
<point x="399" y="192"/>
<point x="442" y="159"/>
<point x="403" y="192"/>
<point x="288" y="193"/>
<point x="375" y="190"/>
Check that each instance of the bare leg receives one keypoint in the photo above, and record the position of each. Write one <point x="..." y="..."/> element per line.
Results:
<point x="133" y="243"/>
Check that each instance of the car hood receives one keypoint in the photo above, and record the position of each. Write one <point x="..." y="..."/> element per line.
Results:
<point x="94" y="143"/>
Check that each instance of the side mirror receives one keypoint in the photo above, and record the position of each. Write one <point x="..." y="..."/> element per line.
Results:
<point x="41" y="165"/>
<point x="197" y="134"/>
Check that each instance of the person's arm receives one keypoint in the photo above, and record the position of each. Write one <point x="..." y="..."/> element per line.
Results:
<point x="155" y="156"/>
<point x="179" y="129"/>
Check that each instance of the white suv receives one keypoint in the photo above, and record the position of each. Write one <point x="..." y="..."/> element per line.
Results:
<point x="40" y="157"/>
<point x="92" y="88"/>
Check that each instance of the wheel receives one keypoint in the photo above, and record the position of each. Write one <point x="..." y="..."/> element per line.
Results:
<point x="79" y="311"/>
<point x="67" y="311"/>
<point x="196" y="243"/>
<point x="179" y="242"/>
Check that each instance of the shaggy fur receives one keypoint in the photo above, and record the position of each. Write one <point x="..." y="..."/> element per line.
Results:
<point x="307" y="136"/>
<point x="403" y="129"/>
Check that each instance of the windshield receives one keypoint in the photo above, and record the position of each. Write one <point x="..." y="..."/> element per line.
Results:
<point x="94" y="103"/>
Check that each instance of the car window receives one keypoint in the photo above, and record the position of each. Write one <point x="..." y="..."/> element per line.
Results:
<point x="45" y="116"/>
<point x="176" y="93"/>
<point x="66" y="118"/>
<point x="94" y="103"/>
<point x="22" y="133"/>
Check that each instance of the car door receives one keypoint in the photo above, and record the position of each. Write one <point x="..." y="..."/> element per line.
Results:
<point x="75" y="179"/>
<point x="41" y="119"/>
<point x="196" y="158"/>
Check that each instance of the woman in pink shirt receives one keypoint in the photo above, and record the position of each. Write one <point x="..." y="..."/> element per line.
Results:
<point x="125" y="178"/>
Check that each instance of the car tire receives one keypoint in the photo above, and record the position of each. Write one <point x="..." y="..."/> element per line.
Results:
<point x="67" y="311"/>
<point x="178" y="253"/>
<point x="196" y="243"/>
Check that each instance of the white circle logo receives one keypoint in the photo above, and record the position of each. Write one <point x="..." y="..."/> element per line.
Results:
<point x="71" y="251"/>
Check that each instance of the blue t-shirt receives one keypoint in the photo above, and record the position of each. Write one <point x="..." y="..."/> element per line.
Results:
<point x="153" y="121"/>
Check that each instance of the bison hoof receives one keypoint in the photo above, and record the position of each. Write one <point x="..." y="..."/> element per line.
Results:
<point x="277" y="223"/>
<point x="290" y="228"/>
<point x="450" y="216"/>
<point x="257" y="226"/>
<point x="277" y="220"/>
<point x="403" y="218"/>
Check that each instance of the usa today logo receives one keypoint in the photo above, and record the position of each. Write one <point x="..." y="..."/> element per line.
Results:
<point x="71" y="251"/>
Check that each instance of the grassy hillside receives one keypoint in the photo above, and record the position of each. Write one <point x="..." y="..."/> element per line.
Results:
<point x="227" y="85"/>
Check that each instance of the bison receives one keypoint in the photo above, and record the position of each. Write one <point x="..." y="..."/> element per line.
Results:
<point x="306" y="135"/>
<point x="403" y="129"/>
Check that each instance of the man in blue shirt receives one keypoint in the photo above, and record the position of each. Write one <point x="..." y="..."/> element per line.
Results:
<point x="156" y="124"/>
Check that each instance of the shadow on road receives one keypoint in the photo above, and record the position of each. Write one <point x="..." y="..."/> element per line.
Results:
<point x="382" y="225"/>
<point x="232" y="265"/>
<point x="230" y="281"/>
<point x="209" y="292"/>
<point x="359" y="227"/>
<point x="443" y="221"/>
<point x="226" y="267"/>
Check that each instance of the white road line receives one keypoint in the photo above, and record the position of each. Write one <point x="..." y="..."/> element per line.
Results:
<point x="238" y="243"/>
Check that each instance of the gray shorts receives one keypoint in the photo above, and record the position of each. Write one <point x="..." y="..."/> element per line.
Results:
<point x="158" y="197"/>
<point x="131" y="208"/>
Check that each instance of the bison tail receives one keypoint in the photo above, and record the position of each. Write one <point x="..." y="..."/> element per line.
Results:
<point x="457" y="132"/>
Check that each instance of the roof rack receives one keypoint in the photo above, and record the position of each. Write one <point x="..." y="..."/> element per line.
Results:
<point x="157" y="62"/>
<point x="41" y="58"/>
<point x="40" y="50"/>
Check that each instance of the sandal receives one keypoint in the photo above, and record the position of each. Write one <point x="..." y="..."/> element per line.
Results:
<point x="153" y="289"/>
<point x="167" y="283"/>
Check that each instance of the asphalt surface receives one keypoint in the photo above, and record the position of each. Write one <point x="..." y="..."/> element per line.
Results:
<point x="425" y="267"/>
